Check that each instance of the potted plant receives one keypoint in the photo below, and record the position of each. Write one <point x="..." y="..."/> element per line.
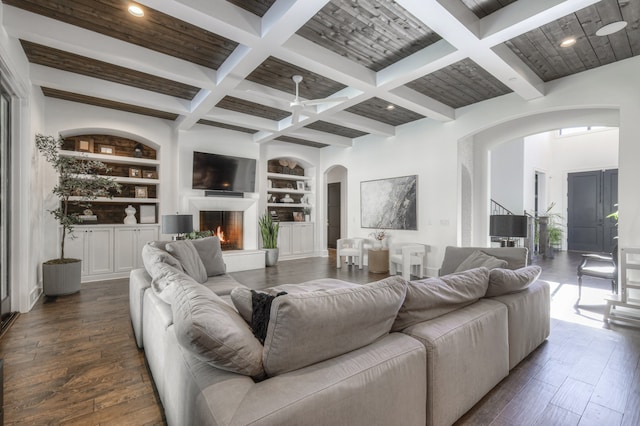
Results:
<point x="79" y="181"/>
<point x="307" y="214"/>
<point x="269" y="230"/>
<point x="379" y="236"/>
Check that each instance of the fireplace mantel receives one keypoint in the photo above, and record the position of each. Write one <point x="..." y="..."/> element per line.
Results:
<point x="249" y="207"/>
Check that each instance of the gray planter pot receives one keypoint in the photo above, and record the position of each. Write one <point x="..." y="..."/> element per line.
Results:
<point x="271" y="256"/>
<point x="59" y="279"/>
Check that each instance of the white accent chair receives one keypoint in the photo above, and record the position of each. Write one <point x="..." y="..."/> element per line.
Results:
<point x="350" y="248"/>
<point x="406" y="257"/>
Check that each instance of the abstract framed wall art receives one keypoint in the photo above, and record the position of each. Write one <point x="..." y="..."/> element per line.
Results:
<point x="389" y="203"/>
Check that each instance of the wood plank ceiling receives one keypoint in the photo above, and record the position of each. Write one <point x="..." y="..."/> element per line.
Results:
<point x="229" y="64"/>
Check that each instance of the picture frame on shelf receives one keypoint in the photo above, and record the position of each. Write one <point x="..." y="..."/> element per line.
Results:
<point x="300" y="186"/>
<point x="141" y="192"/>
<point x="298" y="217"/>
<point x="106" y="149"/>
<point x="149" y="174"/>
<point x="147" y="213"/>
<point x="134" y="172"/>
<point x="84" y="145"/>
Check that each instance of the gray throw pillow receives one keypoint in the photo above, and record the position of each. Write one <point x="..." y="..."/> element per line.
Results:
<point x="210" y="253"/>
<point x="187" y="254"/>
<point x="479" y="259"/>
<point x="166" y="279"/>
<point x="152" y="256"/>
<point x="505" y="281"/>
<point x="214" y="332"/>
<point x="432" y="297"/>
<point x="306" y="328"/>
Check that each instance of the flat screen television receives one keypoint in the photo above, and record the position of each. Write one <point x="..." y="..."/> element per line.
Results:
<point x="223" y="173"/>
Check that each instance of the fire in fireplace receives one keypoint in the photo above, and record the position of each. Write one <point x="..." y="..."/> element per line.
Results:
<point x="226" y="225"/>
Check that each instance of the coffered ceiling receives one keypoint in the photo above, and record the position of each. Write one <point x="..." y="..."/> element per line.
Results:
<point x="229" y="64"/>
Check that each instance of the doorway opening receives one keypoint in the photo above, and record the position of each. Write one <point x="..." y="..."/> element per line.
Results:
<point x="336" y="179"/>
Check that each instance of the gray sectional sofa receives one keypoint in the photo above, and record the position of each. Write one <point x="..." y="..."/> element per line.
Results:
<point x="386" y="353"/>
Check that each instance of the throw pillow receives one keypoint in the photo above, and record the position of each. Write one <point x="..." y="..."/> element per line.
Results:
<point x="214" y="332"/>
<point x="211" y="255"/>
<point x="306" y="328"/>
<point x="261" y="305"/>
<point x="479" y="259"/>
<point x="242" y="299"/>
<point x="165" y="280"/>
<point x="187" y="254"/>
<point x="432" y="297"/>
<point x="152" y="256"/>
<point x="505" y="281"/>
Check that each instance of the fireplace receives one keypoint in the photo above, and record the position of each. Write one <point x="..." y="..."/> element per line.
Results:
<point x="226" y="225"/>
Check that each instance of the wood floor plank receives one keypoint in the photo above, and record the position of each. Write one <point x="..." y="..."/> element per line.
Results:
<point x="573" y="396"/>
<point x="556" y="416"/>
<point x="597" y="415"/>
<point x="528" y="406"/>
<point x="612" y="390"/>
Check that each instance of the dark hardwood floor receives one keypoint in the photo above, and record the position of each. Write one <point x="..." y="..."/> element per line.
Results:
<point x="73" y="359"/>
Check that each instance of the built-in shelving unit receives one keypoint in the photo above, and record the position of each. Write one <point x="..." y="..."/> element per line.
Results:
<point x="133" y="165"/>
<point x="289" y="183"/>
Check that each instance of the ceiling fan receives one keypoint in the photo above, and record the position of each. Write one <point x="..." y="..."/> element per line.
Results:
<point x="298" y="105"/>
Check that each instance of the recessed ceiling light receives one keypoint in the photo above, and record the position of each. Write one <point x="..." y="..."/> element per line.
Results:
<point x="136" y="10"/>
<point x="391" y="107"/>
<point x="611" y="28"/>
<point x="568" y="42"/>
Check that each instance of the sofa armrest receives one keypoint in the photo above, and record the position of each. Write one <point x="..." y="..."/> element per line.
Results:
<point x="139" y="282"/>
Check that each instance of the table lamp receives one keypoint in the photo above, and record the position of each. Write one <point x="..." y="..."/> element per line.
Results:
<point x="177" y="224"/>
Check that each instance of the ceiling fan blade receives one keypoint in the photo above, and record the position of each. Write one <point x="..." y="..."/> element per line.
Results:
<point x="323" y="101"/>
<point x="296" y="116"/>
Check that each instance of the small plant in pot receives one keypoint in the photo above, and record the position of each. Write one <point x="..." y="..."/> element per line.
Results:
<point x="79" y="181"/>
<point x="269" y="231"/>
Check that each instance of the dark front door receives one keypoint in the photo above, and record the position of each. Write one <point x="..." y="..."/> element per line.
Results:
<point x="333" y="214"/>
<point x="591" y="198"/>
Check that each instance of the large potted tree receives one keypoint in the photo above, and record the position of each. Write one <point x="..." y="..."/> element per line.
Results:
<point x="269" y="230"/>
<point x="79" y="181"/>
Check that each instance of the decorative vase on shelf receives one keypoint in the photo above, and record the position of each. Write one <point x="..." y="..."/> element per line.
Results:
<point x="287" y="199"/>
<point x="130" y="219"/>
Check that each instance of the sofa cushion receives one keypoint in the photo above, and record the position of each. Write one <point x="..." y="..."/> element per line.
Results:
<point x="306" y="328"/>
<point x="214" y="332"/>
<point x="166" y="279"/>
<point x="153" y="255"/>
<point x="187" y="254"/>
<point x="479" y="259"/>
<point x="242" y="299"/>
<point x="505" y="281"/>
<point x="433" y="297"/>
<point x="211" y="255"/>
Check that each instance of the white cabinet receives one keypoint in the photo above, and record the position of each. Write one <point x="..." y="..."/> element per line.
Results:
<point x="296" y="239"/>
<point x="128" y="246"/>
<point x="94" y="245"/>
<point x="109" y="251"/>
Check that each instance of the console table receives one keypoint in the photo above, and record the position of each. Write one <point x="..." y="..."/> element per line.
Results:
<point x="379" y="261"/>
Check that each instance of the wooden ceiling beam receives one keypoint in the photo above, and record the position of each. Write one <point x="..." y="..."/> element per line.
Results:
<point x="50" y="32"/>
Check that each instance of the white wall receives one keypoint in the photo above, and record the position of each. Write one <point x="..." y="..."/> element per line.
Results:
<point x="507" y="178"/>
<point x="430" y="150"/>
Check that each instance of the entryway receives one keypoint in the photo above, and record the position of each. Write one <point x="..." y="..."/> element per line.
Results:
<point x="592" y="196"/>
